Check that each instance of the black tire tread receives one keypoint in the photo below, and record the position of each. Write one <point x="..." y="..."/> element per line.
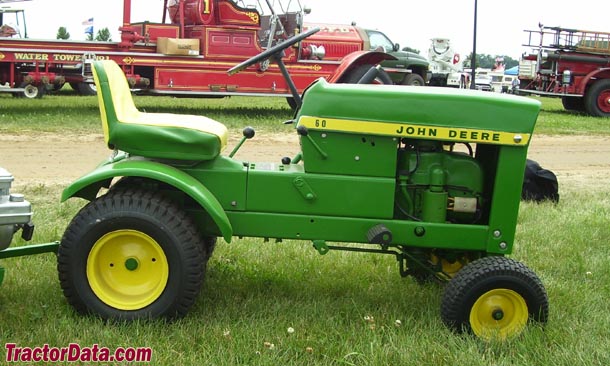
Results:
<point x="414" y="79"/>
<point x="353" y="76"/>
<point x="591" y="98"/>
<point x="84" y="89"/>
<point x="455" y="304"/>
<point x="573" y="103"/>
<point x="142" y="203"/>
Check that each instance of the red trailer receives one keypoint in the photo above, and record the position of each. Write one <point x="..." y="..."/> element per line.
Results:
<point x="189" y="51"/>
<point x="571" y="64"/>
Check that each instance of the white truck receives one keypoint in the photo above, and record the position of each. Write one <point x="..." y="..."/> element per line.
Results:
<point x="446" y="65"/>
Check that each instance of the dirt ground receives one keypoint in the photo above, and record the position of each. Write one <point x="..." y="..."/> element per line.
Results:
<point x="59" y="159"/>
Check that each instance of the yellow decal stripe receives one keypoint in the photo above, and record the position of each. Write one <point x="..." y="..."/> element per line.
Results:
<point x="416" y="131"/>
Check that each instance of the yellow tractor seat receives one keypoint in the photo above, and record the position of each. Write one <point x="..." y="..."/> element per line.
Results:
<point x="153" y="135"/>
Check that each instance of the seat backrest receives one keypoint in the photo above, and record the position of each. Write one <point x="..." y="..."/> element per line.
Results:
<point x="114" y="97"/>
<point x="151" y="135"/>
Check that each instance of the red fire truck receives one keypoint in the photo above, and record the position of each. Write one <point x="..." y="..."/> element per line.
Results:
<point x="571" y="64"/>
<point x="189" y="51"/>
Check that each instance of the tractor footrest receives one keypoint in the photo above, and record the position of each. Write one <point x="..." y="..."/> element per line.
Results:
<point x="379" y="234"/>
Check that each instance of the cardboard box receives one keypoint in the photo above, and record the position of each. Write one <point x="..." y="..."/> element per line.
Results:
<point x="178" y="46"/>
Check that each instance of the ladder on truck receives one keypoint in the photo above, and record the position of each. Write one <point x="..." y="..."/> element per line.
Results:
<point x="568" y="39"/>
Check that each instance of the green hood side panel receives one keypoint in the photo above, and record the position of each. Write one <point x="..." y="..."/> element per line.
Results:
<point x="88" y="186"/>
<point x="431" y="107"/>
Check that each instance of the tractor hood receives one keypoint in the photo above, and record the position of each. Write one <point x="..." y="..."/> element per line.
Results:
<point x="415" y="112"/>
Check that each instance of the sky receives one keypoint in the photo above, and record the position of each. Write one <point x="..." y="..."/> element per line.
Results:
<point x="500" y="24"/>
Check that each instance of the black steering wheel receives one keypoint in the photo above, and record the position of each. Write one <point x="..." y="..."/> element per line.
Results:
<point x="272" y="51"/>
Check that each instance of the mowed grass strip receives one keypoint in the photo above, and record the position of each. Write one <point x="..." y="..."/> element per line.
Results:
<point x="343" y="307"/>
<point x="66" y="112"/>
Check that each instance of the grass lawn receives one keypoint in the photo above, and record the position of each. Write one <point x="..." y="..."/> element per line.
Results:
<point x="343" y="308"/>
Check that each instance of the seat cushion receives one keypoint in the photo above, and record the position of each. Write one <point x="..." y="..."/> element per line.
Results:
<point x="169" y="136"/>
<point x="155" y="135"/>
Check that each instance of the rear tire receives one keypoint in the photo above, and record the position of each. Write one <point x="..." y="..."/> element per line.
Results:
<point x="597" y="99"/>
<point x="209" y="244"/>
<point x="494" y="297"/>
<point x="131" y="254"/>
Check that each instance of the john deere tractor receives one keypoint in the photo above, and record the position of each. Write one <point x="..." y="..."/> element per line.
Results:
<point x="431" y="176"/>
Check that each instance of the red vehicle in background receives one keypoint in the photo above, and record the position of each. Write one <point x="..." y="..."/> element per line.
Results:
<point x="571" y="64"/>
<point x="188" y="53"/>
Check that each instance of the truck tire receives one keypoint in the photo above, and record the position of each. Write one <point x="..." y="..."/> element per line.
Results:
<point x="414" y="80"/>
<point x="31" y="91"/>
<point x="356" y="74"/>
<point x="292" y="103"/>
<point x="86" y="89"/>
<point x="494" y="297"/>
<point x="597" y="99"/>
<point x="573" y="103"/>
<point x="132" y="254"/>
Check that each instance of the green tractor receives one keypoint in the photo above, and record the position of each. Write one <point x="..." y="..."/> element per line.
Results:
<point x="431" y="176"/>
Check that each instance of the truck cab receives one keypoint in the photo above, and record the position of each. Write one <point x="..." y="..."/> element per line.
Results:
<point x="409" y="68"/>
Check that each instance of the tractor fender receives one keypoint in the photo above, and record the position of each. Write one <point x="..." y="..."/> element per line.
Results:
<point x="88" y="185"/>
<point x="355" y="59"/>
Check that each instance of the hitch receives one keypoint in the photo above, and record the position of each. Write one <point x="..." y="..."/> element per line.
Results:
<point x="320" y="246"/>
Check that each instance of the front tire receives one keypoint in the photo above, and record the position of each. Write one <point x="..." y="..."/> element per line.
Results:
<point x="494" y="297"/>
<point x="414" y="80"/>
<point x="597" y="99"/>
<point x="131" y="254"/>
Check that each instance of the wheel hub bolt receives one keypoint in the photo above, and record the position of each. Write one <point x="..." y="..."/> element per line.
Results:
<point x="497" y="314"/>
<point x="131" y="264"/>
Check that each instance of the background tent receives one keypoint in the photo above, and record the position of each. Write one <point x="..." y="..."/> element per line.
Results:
<point x="512" y="71"/>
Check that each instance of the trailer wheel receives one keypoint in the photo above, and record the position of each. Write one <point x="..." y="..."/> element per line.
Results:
<point x="131" y="254"/>
<point x="597" y="99"/>
<point x="494" y="297"/>
<point x="32" y="91"/>
<point x="413" y="79"/>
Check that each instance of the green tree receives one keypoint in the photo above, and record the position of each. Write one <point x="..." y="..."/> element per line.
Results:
<point x="103" y="35"/>
<point x="510" y="62"/>
<point x="62" y="33"/>
<point x="488" y="61"/>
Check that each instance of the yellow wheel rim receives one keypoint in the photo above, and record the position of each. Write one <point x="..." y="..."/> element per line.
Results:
<point x="127" y="269"/>
<point x="499" y="314"/>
